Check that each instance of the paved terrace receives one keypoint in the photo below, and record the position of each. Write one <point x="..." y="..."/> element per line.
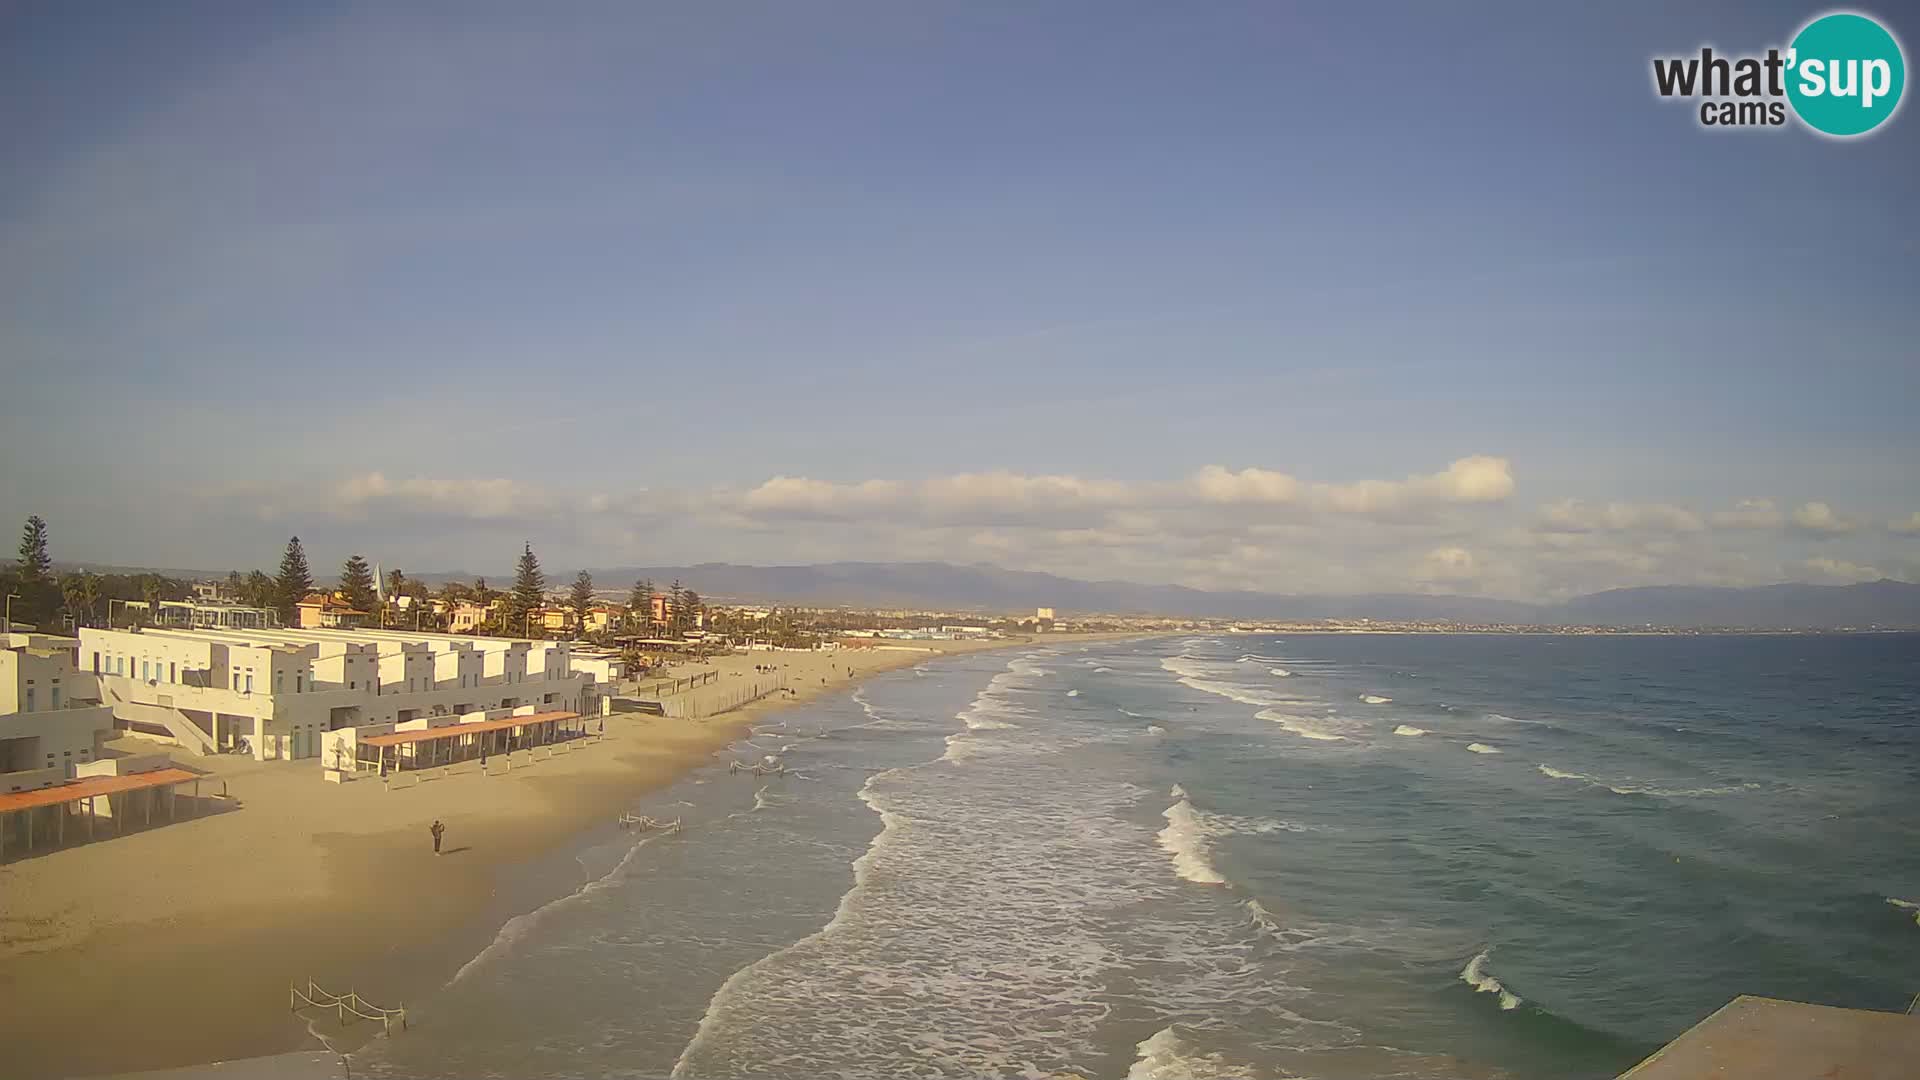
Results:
<point x="1756" y="1038"/>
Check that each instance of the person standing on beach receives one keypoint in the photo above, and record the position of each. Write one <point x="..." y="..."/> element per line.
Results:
<point x="438" y="830"/>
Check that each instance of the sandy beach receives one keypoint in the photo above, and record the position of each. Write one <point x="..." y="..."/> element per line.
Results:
<point x="176" y="944"/>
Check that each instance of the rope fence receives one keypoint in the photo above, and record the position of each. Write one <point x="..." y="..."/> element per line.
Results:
<point x="349" y="1004"/>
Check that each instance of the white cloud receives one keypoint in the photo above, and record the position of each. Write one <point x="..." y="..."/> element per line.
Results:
<point x="1750" y="514"/>
<point x="1819" y="519"/>
<point x="1572" y="515"/>
<point x="482" y="499"/>
<point x="1832" y="570"/>
<point x="1909" y="525"/>
<point x="1216" y="483"/>
<point x="804" y="497"/>
<point x="1447" y="564"/>
<point x="1454" y="530"/>
<point x="1478" y="479"/>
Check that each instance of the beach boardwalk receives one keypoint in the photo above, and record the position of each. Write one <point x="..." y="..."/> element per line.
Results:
<point x="1756" y="1038"/>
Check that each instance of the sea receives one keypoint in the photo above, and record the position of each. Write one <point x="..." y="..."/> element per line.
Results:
<point x="1233" y="856"/>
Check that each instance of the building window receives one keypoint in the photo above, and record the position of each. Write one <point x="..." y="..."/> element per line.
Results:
<point x="249" y="682"/>
<point x="96" y="663"/>
<point x="56" y="697"/>
<point x="29" y="707"/>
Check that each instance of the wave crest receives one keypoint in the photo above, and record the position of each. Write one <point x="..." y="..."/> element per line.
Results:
<point x="1476" y="975"/>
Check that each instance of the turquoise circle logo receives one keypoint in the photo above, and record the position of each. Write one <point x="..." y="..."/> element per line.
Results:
<point x="1845" y="74"/>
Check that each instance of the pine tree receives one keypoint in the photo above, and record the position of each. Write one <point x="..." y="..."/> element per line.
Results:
<point x="580" y="598"/>
<point x="692" y="619"/>
<point x="676" y="608"/>
<point x="33" y="578"/>
<point x="529" y="591"/>
<point x="356" y="580"/>
<point x="640" y="602"/>
<point x="295" y="580"/>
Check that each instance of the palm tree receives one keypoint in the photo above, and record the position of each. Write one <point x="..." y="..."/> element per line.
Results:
<point x="81" y="591"/>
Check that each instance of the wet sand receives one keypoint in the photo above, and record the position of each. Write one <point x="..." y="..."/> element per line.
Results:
<point x="176" y="944"/>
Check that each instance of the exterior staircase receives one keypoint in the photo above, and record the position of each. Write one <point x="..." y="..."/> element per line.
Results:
<point x="177" y="722"/>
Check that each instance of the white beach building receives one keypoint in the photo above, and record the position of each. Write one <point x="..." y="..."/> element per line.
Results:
<point x="275" y="692"/>
<point x="51" y="720"/>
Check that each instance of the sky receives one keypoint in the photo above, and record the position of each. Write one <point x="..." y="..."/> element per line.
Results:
<point x="1305" y="298"/>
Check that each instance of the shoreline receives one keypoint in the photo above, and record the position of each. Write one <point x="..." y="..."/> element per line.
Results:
<point x="182" y="939"/>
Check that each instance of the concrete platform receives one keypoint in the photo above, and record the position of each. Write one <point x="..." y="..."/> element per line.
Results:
<point x="1756" y="1038"/>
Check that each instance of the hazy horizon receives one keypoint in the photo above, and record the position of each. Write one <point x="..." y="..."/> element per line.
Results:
<point x="1109" y="292"/>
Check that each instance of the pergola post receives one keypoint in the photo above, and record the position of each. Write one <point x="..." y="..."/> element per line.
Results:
<point x="89" y="817"/>
<point x="60" y="826"/>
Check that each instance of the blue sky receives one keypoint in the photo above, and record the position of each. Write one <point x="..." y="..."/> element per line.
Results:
<point x="423" y="280"/>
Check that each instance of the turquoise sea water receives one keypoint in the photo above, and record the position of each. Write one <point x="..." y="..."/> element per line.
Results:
<point x="1237" y="856"/>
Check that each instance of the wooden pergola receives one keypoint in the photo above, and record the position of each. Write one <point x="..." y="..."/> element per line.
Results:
<point x="147" y="786"/>
<point x="432" y="747"/>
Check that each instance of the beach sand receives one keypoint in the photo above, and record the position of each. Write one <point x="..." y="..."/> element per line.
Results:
<point x="176" y="944"/>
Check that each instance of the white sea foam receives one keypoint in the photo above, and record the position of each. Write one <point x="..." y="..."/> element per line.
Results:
<point x="1476" y="975"/>
<point x="1166" y="1056"/>
<point x="1304" y="726"/>
<point x="1483" y="748"/>
<point x="1282" y="672"/>
<point x="1409" y="729"/>
<point x="1100" y="669"/>
<point x="1156" y="729"/>
<point x="518" y="927"/>
<point x="1073" y="693"/>
<point x="974" y="950"/>
<point x="1906" y="905"/>
<point x="1185" y="839"/>
<point x="1375" y="699"/>
<point x="1631" y="787"/>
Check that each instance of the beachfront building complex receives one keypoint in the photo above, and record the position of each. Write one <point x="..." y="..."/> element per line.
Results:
<point x="274" y="693"/>
<point x="50" y="718"/>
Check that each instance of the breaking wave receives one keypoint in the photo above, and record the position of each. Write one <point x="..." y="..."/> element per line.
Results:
<point x="1476" y="975"/>
<point x="1628" y="787"/>
<point x="1483" y="748"/>
<point x="1906" y="905"/>
<point x="1409" y="729"/>
<point x="1375" y="699"/>
<point x="1304" y="726"/>
<point x="1185" y="841"/>
<point x="1166" y="1056"/>
<point x="1282" y="672"/>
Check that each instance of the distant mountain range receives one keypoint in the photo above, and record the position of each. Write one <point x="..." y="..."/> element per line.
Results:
<point x="990" y="589"/>
<point x="986" y="588"/>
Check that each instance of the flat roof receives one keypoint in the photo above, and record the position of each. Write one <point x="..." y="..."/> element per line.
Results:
<point x="88" y="787"/>
<point x="402" y="738"/>
<point x="1756" y="1038"/>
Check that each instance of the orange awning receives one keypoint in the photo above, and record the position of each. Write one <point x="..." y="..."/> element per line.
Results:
<point x="403" y="738"/>
<point x="91" y="787"/>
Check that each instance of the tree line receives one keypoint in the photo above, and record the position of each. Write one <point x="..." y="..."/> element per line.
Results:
<point x="39" y="597"/>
